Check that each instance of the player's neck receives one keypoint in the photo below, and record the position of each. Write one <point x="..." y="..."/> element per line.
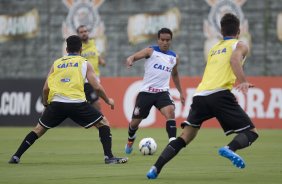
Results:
<point x="163" y="50"/>
<point x="85" y="41"/>
<point x="73" y="54"/>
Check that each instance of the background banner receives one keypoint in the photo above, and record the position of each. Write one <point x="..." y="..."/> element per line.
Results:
<point x="20" y="102"/>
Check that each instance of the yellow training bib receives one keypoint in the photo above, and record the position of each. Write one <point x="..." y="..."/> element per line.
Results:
<point x="90" y="52"/>
<point x="218" y="72"/>
<point x="67" y="79"/>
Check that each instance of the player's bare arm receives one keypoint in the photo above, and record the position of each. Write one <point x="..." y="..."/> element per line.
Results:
<point x="91" y="77"/>
<point x="238" y="54"/>
<point x="46" y="89"/>
<point x="145" y="53"/>
<point x="175" y="78"/>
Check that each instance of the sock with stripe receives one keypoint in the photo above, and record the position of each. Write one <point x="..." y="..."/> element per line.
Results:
<point x="27" y="142"/>
<point x="131" y="133"/>
<point x="169" y="152"/>
<point x="106" y="140"/>
<point x="171" y="129"/>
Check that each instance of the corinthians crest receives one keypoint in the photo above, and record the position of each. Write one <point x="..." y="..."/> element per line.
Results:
<point x="212" y="24"/>
<point x="85" y="12"/>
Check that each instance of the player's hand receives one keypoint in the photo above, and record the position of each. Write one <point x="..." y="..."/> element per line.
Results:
<point x="244" y="87"/>
<point x="182" y="99"/>
<point x="102" y="62"/>
<point x="129" y="62"/>
<point x="111" y="102"/>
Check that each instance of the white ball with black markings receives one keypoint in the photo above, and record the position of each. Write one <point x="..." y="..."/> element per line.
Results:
<point x="147" y="146"/>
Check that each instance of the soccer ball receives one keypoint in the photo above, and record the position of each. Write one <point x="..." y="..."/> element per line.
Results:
<point x="148" y="146"/>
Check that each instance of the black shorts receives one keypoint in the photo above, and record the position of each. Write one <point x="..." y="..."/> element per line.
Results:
<point x="145" y="101"/>
<point x="82" y="113"/>
<point x="222" y="105"/>
<point x="90" y="93"/>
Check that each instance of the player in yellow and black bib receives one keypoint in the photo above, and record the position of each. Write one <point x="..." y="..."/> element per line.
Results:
<point x="63" y="96"/>
<point x="213" y="98"/>
<point x="90" y="52"/>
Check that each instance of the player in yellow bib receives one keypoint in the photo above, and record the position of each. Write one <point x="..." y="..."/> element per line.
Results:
<point x="213" y="98"/>
<point x="90" y="52"/>
<point x="63" y="96"/>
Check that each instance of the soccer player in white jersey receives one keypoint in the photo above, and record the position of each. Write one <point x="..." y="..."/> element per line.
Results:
<point x="160" y="64"/>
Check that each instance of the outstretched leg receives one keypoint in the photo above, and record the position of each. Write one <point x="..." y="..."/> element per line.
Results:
<point x="172" y="149"/>
<point x="30" y="138"/>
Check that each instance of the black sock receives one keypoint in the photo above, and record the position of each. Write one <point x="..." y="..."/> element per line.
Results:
<point x="27" y="142"/>
<point x="106" y="140"/>
<point x="242" y="140"/>
<point x="171" y="128"/>
<point x="169" y="152"/>
<point x="131" y="133"/>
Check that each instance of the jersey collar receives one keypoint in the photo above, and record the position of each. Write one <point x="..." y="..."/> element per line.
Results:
<point x="228" y="38"/>
<point x="72" y="54"/>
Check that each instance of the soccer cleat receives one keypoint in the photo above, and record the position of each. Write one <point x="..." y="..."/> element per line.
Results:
<point x="152" y="174"/>
<point x="129" y="147"/>
<point x="232" y="156"/>
<point x="115" y="160"/>
<point x="14" y="160"/>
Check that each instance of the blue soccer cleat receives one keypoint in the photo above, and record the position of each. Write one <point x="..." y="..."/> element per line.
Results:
<point x="128" y="147"/>
<point x="152" y="174"/>
<point x="232" y="156"/>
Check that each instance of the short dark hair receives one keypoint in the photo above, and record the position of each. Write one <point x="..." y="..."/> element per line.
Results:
<point x="165" y="30"/>
<point x="81" y="26"/>
<point x="230" y="25"/>
<point x="74" y="43"/>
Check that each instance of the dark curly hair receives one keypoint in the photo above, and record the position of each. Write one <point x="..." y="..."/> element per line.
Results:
<point x="74" y="43"/>
<point x="230" y="25"/>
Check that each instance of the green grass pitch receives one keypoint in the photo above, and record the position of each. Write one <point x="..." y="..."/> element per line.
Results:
<point x="74" y="156"/>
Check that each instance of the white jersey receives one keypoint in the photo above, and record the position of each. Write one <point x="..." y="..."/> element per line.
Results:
<point x="158" y="70"/>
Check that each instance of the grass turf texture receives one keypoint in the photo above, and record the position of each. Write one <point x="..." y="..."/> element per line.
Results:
<point x="74" y="155"/>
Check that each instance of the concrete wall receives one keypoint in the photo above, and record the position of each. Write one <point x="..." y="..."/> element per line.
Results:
<point x="32" y="58"/>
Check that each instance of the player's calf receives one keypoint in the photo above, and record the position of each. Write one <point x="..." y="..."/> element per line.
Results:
<point x="171" y="129"/>
<point x="106" y="140"/>
<point x="242" y="140"/>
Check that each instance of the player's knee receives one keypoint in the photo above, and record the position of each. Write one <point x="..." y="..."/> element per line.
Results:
<point x="169" y="114"/>
<point x="188" y="134"/>
<point x="103" y="122"/>
<point x="39" y="130"/>
<point x="134" y="124"/>
<point x="252" y="135"/>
